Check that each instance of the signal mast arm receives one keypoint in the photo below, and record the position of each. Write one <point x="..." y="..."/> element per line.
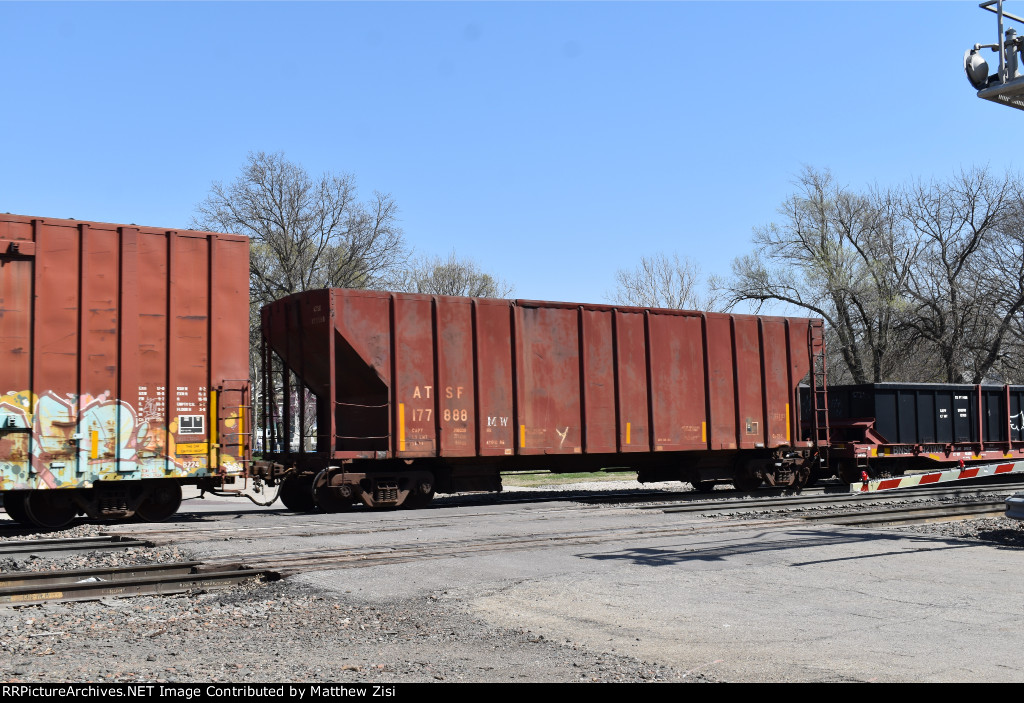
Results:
<point x="1007" y="85"/>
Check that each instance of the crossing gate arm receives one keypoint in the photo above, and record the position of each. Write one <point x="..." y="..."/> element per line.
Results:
<point x="955" y="474"/>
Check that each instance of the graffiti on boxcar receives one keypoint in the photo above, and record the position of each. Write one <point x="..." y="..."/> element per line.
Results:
<point x="562" y="434"/>
<point x="50" y="441"/>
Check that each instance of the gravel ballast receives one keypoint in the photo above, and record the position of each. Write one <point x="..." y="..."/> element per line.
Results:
<point x="277" y="631"/>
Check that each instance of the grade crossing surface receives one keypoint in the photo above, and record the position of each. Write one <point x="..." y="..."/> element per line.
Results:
<point x="738" y="598"/>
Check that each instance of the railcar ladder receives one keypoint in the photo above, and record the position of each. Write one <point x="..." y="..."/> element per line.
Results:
<point x="235" y="444"/>
<point x="819" y="389"/>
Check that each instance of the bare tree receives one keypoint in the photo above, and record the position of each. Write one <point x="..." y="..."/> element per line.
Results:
<point x="450" y="276"/>
<point x="1004" y="266"/>
<point x="843" y="257"/>
<point x="663" y="281"/>
<point x="305" y="233"/>
<point x="922" y="283"/>
<point x="967" y="282"/>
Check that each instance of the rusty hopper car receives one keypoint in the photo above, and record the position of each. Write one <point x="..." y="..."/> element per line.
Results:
<point x="123" y="367"/>
<point x="385" y="398"/>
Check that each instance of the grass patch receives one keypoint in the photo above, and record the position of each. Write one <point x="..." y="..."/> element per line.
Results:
<point x="530" y="479"/>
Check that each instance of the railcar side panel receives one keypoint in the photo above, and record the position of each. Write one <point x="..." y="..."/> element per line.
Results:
<point x="1015" y="420"/>
<point x="547" y="380"/>
<point x="600" y="432"/>
<point x="678" y="382"/>
<point x="189" y="422"/>
<point x="632" y="381"/>
<point x="55" y="369"/>
<point x="721" y="365"/>
<point x="362" y="347"/>
<point x="16" y="274"/>
<point x="797" y="334"/>
<point x="456" y="402"/>
<point x="151" y="335"/>
<point x="993" y="410"/>
<point x="493" y="385"/>
<point x="926" y="419"/>
<point x="749" y="380"/>
<point x="415" y="385"/>
<point x="776" y="381"/>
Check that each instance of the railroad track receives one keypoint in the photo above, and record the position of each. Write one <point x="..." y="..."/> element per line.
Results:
<point x="335" y="525"/>
<point x="15" y="548"/>
<point x="791" y="514"/>
<point x="325" y="559"/>
<point x="321" y="559"/>
<point x="786" y="512"/>
<point x="32" y="588"/>
<point x="836" y="499"/>
<point x="655" y="496"/>
<point x="26" y="588"/>
<point x="909" y="515"/>
<point x="330" y="524"/>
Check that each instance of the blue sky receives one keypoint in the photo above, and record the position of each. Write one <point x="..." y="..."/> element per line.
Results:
<point x="554" y="143"/>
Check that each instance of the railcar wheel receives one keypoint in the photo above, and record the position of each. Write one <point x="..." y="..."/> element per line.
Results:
<point x="418" y="499"/>
<point x="746" y="480"/>
<point x="801" y="478"/>
<point x="330" y="498"/>
<point x="704" y="486"/>
<point x="50" y="509"/>
<point x="297" y="493"/>
<point x="14" y="504"/>
<point x="162" y="501"/>
<point x="847" y="472"/>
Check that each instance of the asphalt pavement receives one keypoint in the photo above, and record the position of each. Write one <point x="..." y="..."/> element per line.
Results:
<point x="739" y="601"/>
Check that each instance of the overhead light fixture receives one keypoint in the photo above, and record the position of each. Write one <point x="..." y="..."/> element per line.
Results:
<point x="976" y="68"/>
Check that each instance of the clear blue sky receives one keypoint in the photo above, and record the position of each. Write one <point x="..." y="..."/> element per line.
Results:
<point x="551" y="142"/>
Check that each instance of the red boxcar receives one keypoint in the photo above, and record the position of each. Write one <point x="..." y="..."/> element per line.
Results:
<point x="385" y="397"/>
<point x="123" y="366"/>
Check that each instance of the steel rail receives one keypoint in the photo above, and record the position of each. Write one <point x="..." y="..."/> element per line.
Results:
<point x="835" y="498"/>
<point x="909" y="515"/>
<point x="146" y="581"/>
<point x="33" y="546"/>
<point x="11" y="579"/>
